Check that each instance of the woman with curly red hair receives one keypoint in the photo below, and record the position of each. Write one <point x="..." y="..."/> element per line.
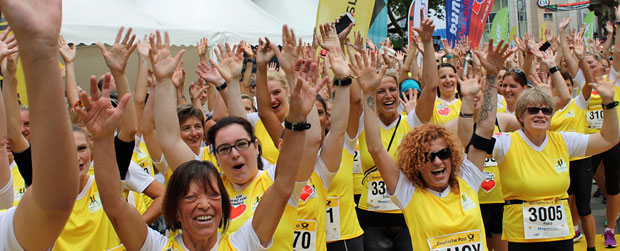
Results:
<point x="431" y="179"/>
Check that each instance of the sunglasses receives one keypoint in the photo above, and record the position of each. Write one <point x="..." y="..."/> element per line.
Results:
<point x="535" y="110"/>
<point x="443" y="154"/>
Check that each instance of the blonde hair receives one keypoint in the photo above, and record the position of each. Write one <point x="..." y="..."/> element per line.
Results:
<point x="278" y="76"/>
<point x="533" y="96"/>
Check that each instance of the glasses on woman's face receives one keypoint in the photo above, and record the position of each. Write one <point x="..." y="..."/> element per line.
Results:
<point x="535" y="110"/>
<point x="443" y="154"/>
<point x="240" y="145"/>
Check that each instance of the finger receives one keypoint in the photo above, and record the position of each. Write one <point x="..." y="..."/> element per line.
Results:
<point x="158" y="35"/>
<point x="120" y="107"/>
<point x="127" y="36"/>
<point x="166" y="40"/>
<point x="119" y="34"/>
<point x="94" y="93"/>
<point x="131" y="41"/>
<point x="105" y="88"/>
<point x="218" y="53"/>
<point x="102" y="48"/>
<point x="320" y="84"/>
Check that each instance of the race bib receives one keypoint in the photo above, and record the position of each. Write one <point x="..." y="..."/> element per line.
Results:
<point x="357" y="163"/>
<point x="545" y="219"/>
<point x="305" y="235"/>
<point x="468" y="240"/>
<point x="378" y="199"/>
<point x="332" y="226"/>
<point x="595" y="117"/>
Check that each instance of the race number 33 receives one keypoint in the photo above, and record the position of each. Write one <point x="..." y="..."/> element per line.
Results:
<point x="305" y="235"/>
<point x="378" y="199"/>
<point x="545" y="219"/>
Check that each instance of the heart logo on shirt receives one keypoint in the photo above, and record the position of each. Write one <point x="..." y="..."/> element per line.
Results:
<point x="443" y="110"/>
<point x="488" y="185"/>
<point x="594" y="92"/>
<point x="305" y="194"/>
<point x="236" y="211"/>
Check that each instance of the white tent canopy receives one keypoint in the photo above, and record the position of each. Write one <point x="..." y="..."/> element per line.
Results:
<point x="187" y="21"/>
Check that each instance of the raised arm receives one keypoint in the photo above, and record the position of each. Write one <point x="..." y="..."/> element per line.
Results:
<point x="46" y="204"/>
<point x="492" y="62"/>
<point x="148" y="129"/>
<point x="266" y="51"/>
<point x="68" y="55"/>
<point x="470" y="86"/>
<point x="178" y="80"/>
<point x="101" y="119"/>
<point x="573" y="65"/>
<point x="616" y="53"/>
<point x="229" y="65"/>
<point x="17" y="141"/>
<point x="166" y="120"/>
<point x="273" y="202"/>
<point x="140" y="90"/>
<point x="116" y="60"/>
<point x="249" y="63"/>
<point x="430" y="75"/>
<point x="557" y="81"/>
<point x="608" y="136"/>
<point x="5" y="170"/>
<point x="369" y="79"/>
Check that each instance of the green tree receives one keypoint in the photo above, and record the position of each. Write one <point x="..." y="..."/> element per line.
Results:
<point x="400" y="9"/>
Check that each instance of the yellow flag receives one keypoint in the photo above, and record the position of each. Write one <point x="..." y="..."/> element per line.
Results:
<point x="330" y="10"/>
<point x="513" y="32"/>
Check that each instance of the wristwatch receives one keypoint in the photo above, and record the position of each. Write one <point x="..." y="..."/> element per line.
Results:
<point x="297" y="127"/>
<point x="346" y="81"/>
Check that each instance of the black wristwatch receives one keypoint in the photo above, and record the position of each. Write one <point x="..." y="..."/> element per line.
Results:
<point x="297" y="127"/>
<point x="343" y="82"/>
<point x="553" y="70"/>
<point x="221" y="87"/>
<point x="610" y="105"/>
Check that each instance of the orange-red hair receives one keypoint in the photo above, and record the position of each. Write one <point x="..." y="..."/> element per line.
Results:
<point x="411" y="153"/>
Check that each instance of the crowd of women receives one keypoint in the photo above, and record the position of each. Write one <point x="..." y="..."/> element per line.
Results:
<point x="337" y="146"/>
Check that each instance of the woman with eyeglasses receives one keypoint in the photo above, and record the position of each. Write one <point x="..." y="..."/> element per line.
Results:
<point x="431" y="181"/>
<point x="536" y="214"/>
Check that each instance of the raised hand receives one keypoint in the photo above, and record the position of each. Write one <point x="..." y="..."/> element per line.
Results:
<point x="426" y="27"/>
<point x="366" y="71"/>
<point x="409" y="100"/>
<point x="99" y="116"/>
<point x="447" y="46"/>
<point x="178" y="77"/>
<point x="609" y="27"/>
<point x="494" y="60"/>
<point x="543" y="83"/>
<point x="246" y="49"/>
<point x="339" y="64"/>
<point x="520" y="43"/>
<point x="32" y="19"/>
<point x="163" y="64"/>
<point x="116" y="58"/>
<point x="143" y="47"/>
<point x="196" y="89"/>
<point x="230" y="62"/>
<point x="564" y="23"/>
<point x="290" y="50"/>
<point x="202" y="46"/>
<point x="548" y="58"/>
<point x="579" y="47"/>
<point x="303" y="96"/>
<point x="605" y="89"/>
<point x="358" y="44"/>
<point x="209" y="73"/>
<point x="264" y="53"/>
<point x="8" y="44"/>
<point x="465" y="44"/>
<point x="67" y="53"/>
<point x="329" y="39"/>
<point x="470" y="85"/>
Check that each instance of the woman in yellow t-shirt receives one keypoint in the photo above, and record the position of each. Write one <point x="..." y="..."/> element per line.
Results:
<point x="536" y="160"/>
<point x="447" y="105"/>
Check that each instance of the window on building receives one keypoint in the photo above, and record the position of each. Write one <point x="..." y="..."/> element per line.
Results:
<point x="548" y="16"/>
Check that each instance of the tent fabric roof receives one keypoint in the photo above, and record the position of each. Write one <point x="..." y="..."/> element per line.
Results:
<point x="91" y="21"/>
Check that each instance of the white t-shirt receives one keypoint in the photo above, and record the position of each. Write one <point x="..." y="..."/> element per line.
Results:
<point x="576" y="143"/>
<point x="7" y="194"/>
<point x="8" y="240"/>
<point x="136" y="179"/>
<point x="405" y="188"/>
<point x="243" y="239"/>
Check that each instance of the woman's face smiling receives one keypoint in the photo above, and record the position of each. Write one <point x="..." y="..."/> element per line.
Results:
<point x="513" y="89"/>
<point x="192" y="133"/>
<point x="239" y="166"/>
<point x="436" y="172"/>
<point x="447" y="80"/>
<point x="83" y="152"/>
<point x="200" y="211"/>
<point x="279" y="98"/>
<point x="387" y="96"/>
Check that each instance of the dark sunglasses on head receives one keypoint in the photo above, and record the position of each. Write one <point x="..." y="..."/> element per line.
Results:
<point x="443" y="154"/>
<point x="535" y="110"/>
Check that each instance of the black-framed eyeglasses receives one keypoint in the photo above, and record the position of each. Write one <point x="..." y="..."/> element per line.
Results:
<point x="443" y="154"/>
<point x="240" y="145"/>
<point x="535" y="110"/>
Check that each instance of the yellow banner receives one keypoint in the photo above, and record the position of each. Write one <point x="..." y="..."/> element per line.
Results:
<point x="330" y="10"/>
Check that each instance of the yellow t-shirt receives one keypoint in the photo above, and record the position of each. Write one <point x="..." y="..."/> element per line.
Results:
<point x="490" y="191"/>
<point x="594" y="115"/>
<point x="341" y="218"/>
<point x="142" y="157"/>
<point x="375" y="193"/>
<point x="444" y="111"/>
<point x="244" y="202"/>
<point x="540" y="177"/>
<point x="88" y="227"/>
<point x="19" y="185"/>
<point x="571" y="118"/>
<point x="444" y="220"/>
<point x="269" y="150"/>
<point x="310" y="224"/>
<point x="358" y="174"/>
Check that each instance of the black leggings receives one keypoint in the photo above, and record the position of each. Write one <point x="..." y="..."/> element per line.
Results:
<point x="354" y="244"/>
<point x="384" y="232"/>
<point x="581" y="184"/>
<point x="610" y="159"/>
<point x="565" y="245"/>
